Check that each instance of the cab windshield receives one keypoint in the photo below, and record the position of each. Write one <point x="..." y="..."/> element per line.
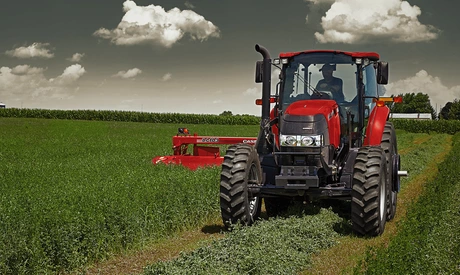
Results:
<point x="319" y="76"/>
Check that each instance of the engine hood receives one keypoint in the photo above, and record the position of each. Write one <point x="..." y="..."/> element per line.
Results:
<point x="309" y="109"/>
<point x="315" y="116"/>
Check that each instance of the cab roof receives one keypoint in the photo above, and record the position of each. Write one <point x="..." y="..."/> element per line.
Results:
<point x="373" y="56"/>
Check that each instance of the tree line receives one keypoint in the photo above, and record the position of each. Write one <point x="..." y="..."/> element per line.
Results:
<point x="420" y="103"/>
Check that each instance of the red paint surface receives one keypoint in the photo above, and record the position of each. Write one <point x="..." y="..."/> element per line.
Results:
<point x="202" y="156"/>
<point x="376" y="126"/>
<point x="328" y="108"/>
<point x="371" y="55"/>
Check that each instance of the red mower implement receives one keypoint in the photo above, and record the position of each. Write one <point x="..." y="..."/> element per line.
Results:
<point x="200" y="156"/>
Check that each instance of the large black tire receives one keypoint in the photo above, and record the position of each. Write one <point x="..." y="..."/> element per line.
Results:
<point x="370" y="191"/>
<point x="241" y="167"/>
<point x="389" y="146"/>
<point x="276" y="206"/>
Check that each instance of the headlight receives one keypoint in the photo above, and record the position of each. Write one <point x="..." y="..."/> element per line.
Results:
<point x="290" y="140"/>
<point x="298" y="140"/>
<point x="307" y="141"/>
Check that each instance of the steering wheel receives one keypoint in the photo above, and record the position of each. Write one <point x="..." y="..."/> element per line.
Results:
<point x="322" y="95"/>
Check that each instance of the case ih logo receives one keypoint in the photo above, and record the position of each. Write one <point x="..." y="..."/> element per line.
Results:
<point x="210" y="139"/>
<point x="250" y="141"/>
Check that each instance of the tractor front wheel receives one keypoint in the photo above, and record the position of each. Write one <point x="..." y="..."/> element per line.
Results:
<point x="241" y="168"/>
<point x="370" y="192"/>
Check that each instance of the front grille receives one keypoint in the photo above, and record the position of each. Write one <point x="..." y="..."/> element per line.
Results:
<point x="300" y="156"/>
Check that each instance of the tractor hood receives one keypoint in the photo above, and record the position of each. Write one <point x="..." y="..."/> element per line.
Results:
<point x="312" y="117"/>
<point x="310" y="108"/>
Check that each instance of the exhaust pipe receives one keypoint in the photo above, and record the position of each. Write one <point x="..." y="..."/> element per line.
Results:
<point x="262" y="144"/>
<point x="263" y="51"/>
<point x="266" y="84"/>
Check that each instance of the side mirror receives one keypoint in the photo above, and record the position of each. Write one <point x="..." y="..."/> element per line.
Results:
<point x="259" y="71"/>
<point x="382" y="72"/>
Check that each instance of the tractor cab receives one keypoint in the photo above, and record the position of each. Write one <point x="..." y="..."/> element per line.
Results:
<point x="348" y="78"/>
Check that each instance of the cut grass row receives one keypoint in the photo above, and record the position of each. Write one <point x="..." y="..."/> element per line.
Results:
<point x="277" y="246"/>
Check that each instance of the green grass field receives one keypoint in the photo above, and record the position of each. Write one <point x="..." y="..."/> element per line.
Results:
<point x="73" y="192"/>
<point x="76" y="191"/>
<point x="429" y="238"/>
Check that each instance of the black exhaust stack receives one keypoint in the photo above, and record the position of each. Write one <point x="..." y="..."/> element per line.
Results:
<point x="266" y="84"/>
<point x="262" y="144"/>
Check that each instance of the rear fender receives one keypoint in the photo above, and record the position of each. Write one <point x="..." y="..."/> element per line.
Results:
<point x="376" y="125"/>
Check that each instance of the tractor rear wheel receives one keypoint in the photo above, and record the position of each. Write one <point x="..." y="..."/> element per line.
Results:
<point x="389" y="146"/>
<point x="241" y="167"/>
<point x="370" y="191"/>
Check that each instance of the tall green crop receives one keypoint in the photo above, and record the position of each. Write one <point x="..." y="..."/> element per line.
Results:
<point x="426" y="126"/>
<point x="131" y="116"/>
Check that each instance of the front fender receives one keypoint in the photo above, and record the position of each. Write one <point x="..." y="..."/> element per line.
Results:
<point x="376" y="125"/>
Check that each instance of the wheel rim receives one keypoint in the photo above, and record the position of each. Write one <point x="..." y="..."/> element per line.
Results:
<point x="382" y="198"/>
<point x="253" y="178"/>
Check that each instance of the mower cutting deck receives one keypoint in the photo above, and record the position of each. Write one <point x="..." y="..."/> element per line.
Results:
<point x="201" y="156"/>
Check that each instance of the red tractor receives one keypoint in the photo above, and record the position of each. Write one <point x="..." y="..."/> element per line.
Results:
<point x="327" y="137"/>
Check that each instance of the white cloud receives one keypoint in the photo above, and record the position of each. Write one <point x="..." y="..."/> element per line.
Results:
<point x="39" y="50"/>
<point x="252" y="92"/>
<point x="153" y="25"/>
<point x="218" y="101"/>
<point x="127" y="101"/>
<point x="131" y="73"/>
<point x="276" y="75"/>
<point x="363" y="21"/>
<point x="189" y="5"/>
<point x="26" y="69"/>
<point x="423" y="82"/>
<point x="24" y="81"/>
<point x="76" y="57"/>
<point x="70" y="75"/>
<point x="320" y="1"/>
<point x="166" y="77"/>
<point x="102" y="83"/>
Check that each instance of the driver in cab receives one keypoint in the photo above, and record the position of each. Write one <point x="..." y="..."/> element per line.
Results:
<point x="331" y="83"/>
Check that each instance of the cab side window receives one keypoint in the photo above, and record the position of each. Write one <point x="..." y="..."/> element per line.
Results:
<point x="370" y="88"/>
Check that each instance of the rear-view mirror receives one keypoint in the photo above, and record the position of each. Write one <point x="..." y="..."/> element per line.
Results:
<point x="259" y="71"/>
<point x="382" y="72"/>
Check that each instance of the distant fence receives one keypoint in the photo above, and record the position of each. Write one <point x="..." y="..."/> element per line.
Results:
<point x="411" y="116"/>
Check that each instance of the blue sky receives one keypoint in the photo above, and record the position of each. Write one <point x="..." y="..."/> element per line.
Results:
<point x="197" y="56"/>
